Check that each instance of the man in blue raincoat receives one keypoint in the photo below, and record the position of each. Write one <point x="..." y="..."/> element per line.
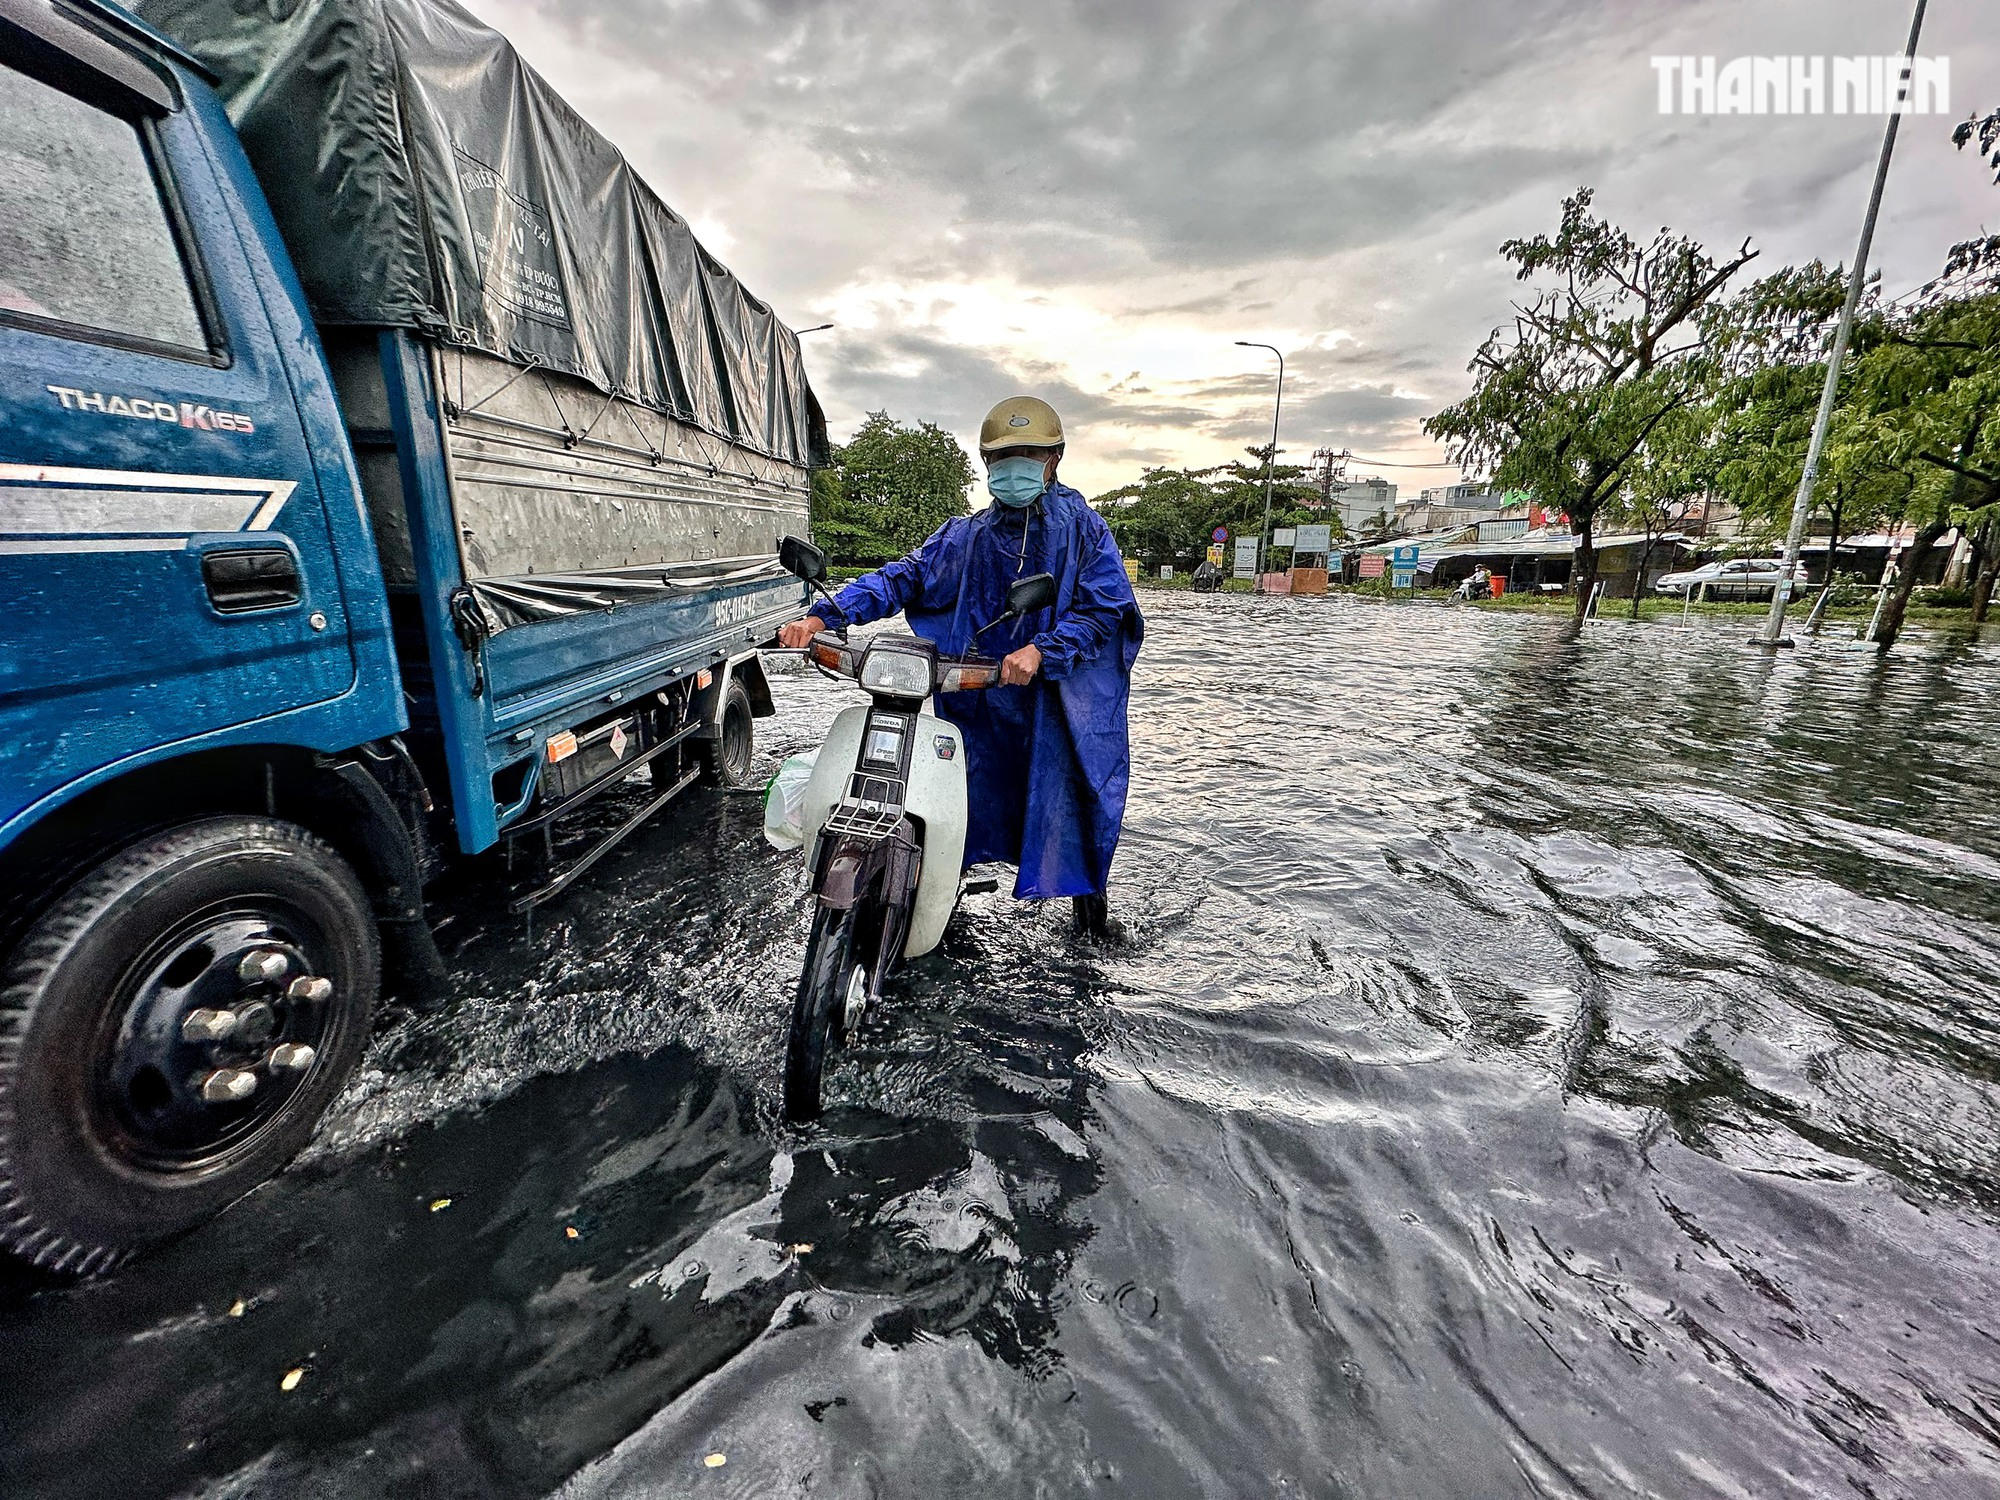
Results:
<point x="1047" y="755"/>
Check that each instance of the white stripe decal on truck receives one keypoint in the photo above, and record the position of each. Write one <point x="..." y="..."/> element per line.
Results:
<point x="58" y="510"/>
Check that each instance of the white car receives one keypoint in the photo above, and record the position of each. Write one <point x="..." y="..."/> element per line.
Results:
<point x="1736" y="578"/>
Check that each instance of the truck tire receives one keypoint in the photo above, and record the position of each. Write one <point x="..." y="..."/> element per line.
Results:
<point x="725" y="760"/>
<point x="125" y="1115"/>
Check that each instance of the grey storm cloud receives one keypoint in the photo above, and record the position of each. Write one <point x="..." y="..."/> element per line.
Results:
<point x="1332" y="177"/>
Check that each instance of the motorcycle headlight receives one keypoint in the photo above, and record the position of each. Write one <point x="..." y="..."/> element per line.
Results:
<point x="899" y="674"/>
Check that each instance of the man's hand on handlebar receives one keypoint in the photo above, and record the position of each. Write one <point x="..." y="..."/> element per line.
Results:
<point x="799" y="634"/>
<point x="1021" y="666"/>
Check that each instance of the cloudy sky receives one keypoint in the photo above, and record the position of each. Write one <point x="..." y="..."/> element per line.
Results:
<point x="1091" y="201"/>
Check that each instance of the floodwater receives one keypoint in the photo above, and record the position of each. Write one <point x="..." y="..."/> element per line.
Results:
<point x="1536" y="1067"/>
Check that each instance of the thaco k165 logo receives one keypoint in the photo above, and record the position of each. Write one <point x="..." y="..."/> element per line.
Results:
<point x="153" y="409"/>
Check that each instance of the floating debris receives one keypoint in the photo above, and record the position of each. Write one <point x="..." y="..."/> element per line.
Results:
<point x="570" y="1232"/>
<point x="438" y="1205"/>
<point x="238" y="1308"/>
<point x="804" y="1247"/>
<point x="292" y="1379"/>
<point x="716" y="1460"/>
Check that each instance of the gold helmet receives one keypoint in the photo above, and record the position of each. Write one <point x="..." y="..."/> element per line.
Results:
<point x="1020" y="422"/>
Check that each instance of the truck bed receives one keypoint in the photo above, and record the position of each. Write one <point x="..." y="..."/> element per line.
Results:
<point x="559" y="553"/>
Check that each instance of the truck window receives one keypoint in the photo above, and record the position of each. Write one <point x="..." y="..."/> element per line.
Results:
<point x="85" y="239"/>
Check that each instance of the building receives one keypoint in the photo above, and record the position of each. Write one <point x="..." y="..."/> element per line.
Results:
<point x="1447" y="507"/>
<point x="1365" y="506"/>
<point x="1458" y="494"/>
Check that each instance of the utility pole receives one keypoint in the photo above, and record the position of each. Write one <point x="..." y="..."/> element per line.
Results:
<point x="1271" y="458"/>
<point x="1332" y="467"/>
<point x="1774" y="627"/>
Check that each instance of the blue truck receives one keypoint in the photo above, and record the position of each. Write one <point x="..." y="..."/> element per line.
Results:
<point x="384" y="473"/>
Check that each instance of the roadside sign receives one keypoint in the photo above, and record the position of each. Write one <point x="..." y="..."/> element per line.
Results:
<point x="1132" y="568"/>
<point x="1373" y="564"/>
<point x="1215" y="555"/>
<point x="1315" y="539"/>
<point x="1246" y="557"/>
<point x="1285" y="536"/>
<point x="1403" y="566"/>
<point x="1220" y="534"/>
<point x="1166" y="570"/>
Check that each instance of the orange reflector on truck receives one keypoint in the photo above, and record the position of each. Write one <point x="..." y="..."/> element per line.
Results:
<point x="703" y="678"/>
<point x="562" y="745"/>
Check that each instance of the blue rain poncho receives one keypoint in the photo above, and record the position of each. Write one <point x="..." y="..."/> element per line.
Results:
<point x="1047" y="762"/>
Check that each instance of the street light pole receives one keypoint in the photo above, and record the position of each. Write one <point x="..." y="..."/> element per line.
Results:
<point x="1774" y="627"/>
<point x="1271" y="458"/>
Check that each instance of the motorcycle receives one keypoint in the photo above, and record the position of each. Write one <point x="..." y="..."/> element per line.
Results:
<point x="884" y="813"/>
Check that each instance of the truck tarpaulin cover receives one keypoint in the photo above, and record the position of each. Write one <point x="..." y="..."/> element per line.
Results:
<point x="425" y="177"/>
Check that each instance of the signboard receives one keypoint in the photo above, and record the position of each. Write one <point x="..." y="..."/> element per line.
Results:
<point x="1215" y="555"/>
<point x="1166" y="570"/>
<point x="1373" y="565"/>
<point x="1220" y="534"/>
<point x="1132" y="568"/>
<point x="1246" y="557"/>
<point x="1284" y="536"/>
<point x="1404" y="567"/>
<point x="1314" y="539"/>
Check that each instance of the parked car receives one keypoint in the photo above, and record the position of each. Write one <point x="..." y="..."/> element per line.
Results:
<point x="1735" y="578"/>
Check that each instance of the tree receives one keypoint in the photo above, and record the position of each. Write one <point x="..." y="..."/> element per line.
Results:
<point x="1170" y="514"/>
<point x="1927" y="394"/>
<point x="1565" y="402"/>
<point x="1987" y="132"/>
<point x="889" y="488"/>
<point x="1677" y="466"/>
<point x="1763" y="411"/>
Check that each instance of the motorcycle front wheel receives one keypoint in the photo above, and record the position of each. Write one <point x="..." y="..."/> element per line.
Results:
<point x="818" y="1012"/>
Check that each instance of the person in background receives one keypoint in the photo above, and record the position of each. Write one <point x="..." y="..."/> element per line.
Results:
<point x="1048" y="758"/>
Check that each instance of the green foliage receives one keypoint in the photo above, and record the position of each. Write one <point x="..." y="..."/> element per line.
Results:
<point x="888" y="489"/>
<point x="1170" y="514"/>
<point x="1927" y="390"/>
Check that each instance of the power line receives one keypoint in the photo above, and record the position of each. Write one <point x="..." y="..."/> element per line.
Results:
<point x="1396" y="463"/>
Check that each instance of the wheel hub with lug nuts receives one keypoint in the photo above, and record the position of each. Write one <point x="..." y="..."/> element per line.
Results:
<point x="224" y="1022"/>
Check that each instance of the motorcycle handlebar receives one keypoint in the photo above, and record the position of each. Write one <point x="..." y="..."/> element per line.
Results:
<point x="962" y="673"/>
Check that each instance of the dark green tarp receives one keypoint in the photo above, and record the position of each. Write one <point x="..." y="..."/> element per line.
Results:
<point x="425" y="177"/>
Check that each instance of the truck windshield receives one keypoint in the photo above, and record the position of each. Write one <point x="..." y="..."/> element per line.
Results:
<point x="85" y="239"/>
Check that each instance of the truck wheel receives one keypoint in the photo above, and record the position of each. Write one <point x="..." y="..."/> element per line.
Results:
<point x="726" y="758"/>
<point x="171" y="1030"/>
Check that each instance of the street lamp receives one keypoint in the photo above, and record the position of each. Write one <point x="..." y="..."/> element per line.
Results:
<point x="1270" y="459"/>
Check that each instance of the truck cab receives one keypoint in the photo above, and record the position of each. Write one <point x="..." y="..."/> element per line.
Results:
<point x="256" y="686"/>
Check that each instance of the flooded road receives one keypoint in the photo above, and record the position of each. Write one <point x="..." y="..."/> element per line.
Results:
<point x="1535" y="1067"/>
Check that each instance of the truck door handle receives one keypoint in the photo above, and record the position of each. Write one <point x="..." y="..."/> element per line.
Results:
<point x="240" y="579"/>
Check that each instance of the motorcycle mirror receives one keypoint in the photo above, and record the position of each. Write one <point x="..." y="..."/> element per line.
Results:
<point x="1026" y="595"/>
<point x="802" y="559"/>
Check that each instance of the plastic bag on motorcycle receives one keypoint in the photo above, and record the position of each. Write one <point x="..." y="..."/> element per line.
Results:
<point x="785" y="802"/>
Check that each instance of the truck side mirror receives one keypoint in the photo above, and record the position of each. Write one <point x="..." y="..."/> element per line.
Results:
<point x="802" y="559"/>
<point x="1026" y="595"/>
